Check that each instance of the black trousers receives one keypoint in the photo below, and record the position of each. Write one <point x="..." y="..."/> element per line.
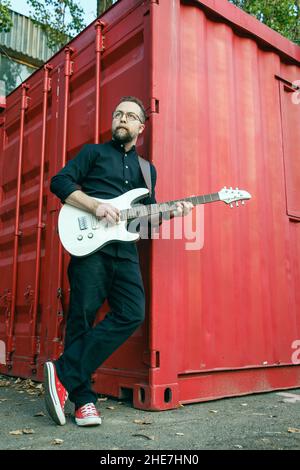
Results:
<point x="92" y="280"/>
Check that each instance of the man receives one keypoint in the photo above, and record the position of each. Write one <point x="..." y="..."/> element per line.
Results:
<point x="113" y="273"/>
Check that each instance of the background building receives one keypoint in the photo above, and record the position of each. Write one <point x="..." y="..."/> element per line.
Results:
<point x="22" y="51"/>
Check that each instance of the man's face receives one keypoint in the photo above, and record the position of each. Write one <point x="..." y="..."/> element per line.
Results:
<point x="124" y="129"/>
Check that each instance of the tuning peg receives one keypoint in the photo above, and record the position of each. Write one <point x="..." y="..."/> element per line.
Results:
<point x="243" y="203"/>
<point x="237" y="189"/>
<point x="231" y="205"/>
<point x="237" y="204"/>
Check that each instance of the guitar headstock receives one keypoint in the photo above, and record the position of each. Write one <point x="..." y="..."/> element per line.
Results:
<point x="230" y="195"/>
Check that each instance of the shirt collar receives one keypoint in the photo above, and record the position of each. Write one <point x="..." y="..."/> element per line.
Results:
<point x="121" y="147"/>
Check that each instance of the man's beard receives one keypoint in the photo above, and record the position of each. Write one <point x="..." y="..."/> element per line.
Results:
<point x="122" y="135"/>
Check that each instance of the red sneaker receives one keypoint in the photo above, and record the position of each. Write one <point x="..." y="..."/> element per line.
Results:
<point x="55" y="394"/>
<point x="87" y="415"/>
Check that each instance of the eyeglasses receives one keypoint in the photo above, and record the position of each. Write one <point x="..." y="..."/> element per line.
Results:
<point x="129" y="116"/>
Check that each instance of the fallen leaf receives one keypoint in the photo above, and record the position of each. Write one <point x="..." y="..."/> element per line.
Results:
<point x="179" y="434"/>
<point x="28" y="431"/>
<point x="142" y="421"/>
<point x="28" y="386"/>
<point x="18" y="432"/>
<point x="238" y="446"/>
<point x="151" y="438"/>
<point x="4" y="383"/>
<point x="110" y="408"/>
<point x="3" y="399"/>
<point x="213" y="411"/>
<point x="40" y="413"/>
<point x="57" y="441"/>
<point x="293" y="430"/>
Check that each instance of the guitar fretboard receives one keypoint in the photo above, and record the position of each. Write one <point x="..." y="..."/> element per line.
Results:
<point x="165" y="207"/>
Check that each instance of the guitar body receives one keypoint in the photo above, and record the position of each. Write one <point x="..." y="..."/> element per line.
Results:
<point x="81" y="233"/>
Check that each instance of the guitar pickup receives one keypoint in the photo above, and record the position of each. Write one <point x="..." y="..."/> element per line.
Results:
<point x="83" y="223"/>
<point x="95" y="223"/>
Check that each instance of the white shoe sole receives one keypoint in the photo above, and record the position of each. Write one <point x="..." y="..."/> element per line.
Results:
<point x="88" y="421"/>
<point x="51" y="398"/>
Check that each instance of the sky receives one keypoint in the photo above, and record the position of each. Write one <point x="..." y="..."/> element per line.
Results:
<point x="89" y="7"/>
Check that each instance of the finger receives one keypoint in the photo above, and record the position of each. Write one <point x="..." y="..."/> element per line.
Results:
<point x="185" y="206"/>
<point x="112" y="214"/>
<point x="110" y="219"/>
<point x="116" y="215"/>
<point x="188" y="205"/>
<point x="101" y="212"/>
<point x="113" y="209"/>
<point x="177" y="213"/>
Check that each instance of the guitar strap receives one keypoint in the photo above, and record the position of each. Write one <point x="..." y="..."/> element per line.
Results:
<point x="146" y="172"/>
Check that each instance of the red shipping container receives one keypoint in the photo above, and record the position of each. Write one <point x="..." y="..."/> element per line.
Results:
<point x="220" y="92"/>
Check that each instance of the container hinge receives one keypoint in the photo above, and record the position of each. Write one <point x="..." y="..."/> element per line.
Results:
<point x="59" y="293"/>
<point x="49" y="84"/>
<point x="154" y="105"/>
<point x="29" y="295"/>
<point x="152" y="358"/>
<point x="6" y="298"/>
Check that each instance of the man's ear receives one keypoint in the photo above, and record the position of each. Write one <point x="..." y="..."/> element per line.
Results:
<point x="142" y="127"/>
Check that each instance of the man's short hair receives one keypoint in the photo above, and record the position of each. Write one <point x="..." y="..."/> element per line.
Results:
<point x="138" y="102"/>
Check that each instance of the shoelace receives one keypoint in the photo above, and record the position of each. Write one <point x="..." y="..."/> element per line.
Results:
<point x="89" y="410"/>
<point x="65" y="396"/>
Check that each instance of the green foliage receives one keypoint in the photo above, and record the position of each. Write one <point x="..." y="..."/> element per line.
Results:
<point x="5" y="19"/>
<point x="60" y="19"/>
<point x="281" y="15"/>
<point x="103" y="5"/>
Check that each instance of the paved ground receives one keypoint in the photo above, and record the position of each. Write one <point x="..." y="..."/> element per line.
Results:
<point x="262" y="421"/>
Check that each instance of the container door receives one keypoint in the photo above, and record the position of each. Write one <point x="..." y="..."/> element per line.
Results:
<point x="290" y="109"/>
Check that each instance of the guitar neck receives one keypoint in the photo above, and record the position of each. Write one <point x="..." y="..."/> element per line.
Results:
<point x="166" y="207"/>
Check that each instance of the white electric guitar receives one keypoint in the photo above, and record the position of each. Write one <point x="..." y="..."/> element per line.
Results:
<point x="82" y="233"/>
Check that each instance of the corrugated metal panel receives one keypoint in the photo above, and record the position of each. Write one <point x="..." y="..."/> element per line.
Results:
<point x="26" y="38"/>
<point x="232" y="299"/>
<point x="229" y="316"/>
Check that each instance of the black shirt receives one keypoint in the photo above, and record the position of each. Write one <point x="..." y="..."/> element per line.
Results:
<point x="104" y="171"/>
